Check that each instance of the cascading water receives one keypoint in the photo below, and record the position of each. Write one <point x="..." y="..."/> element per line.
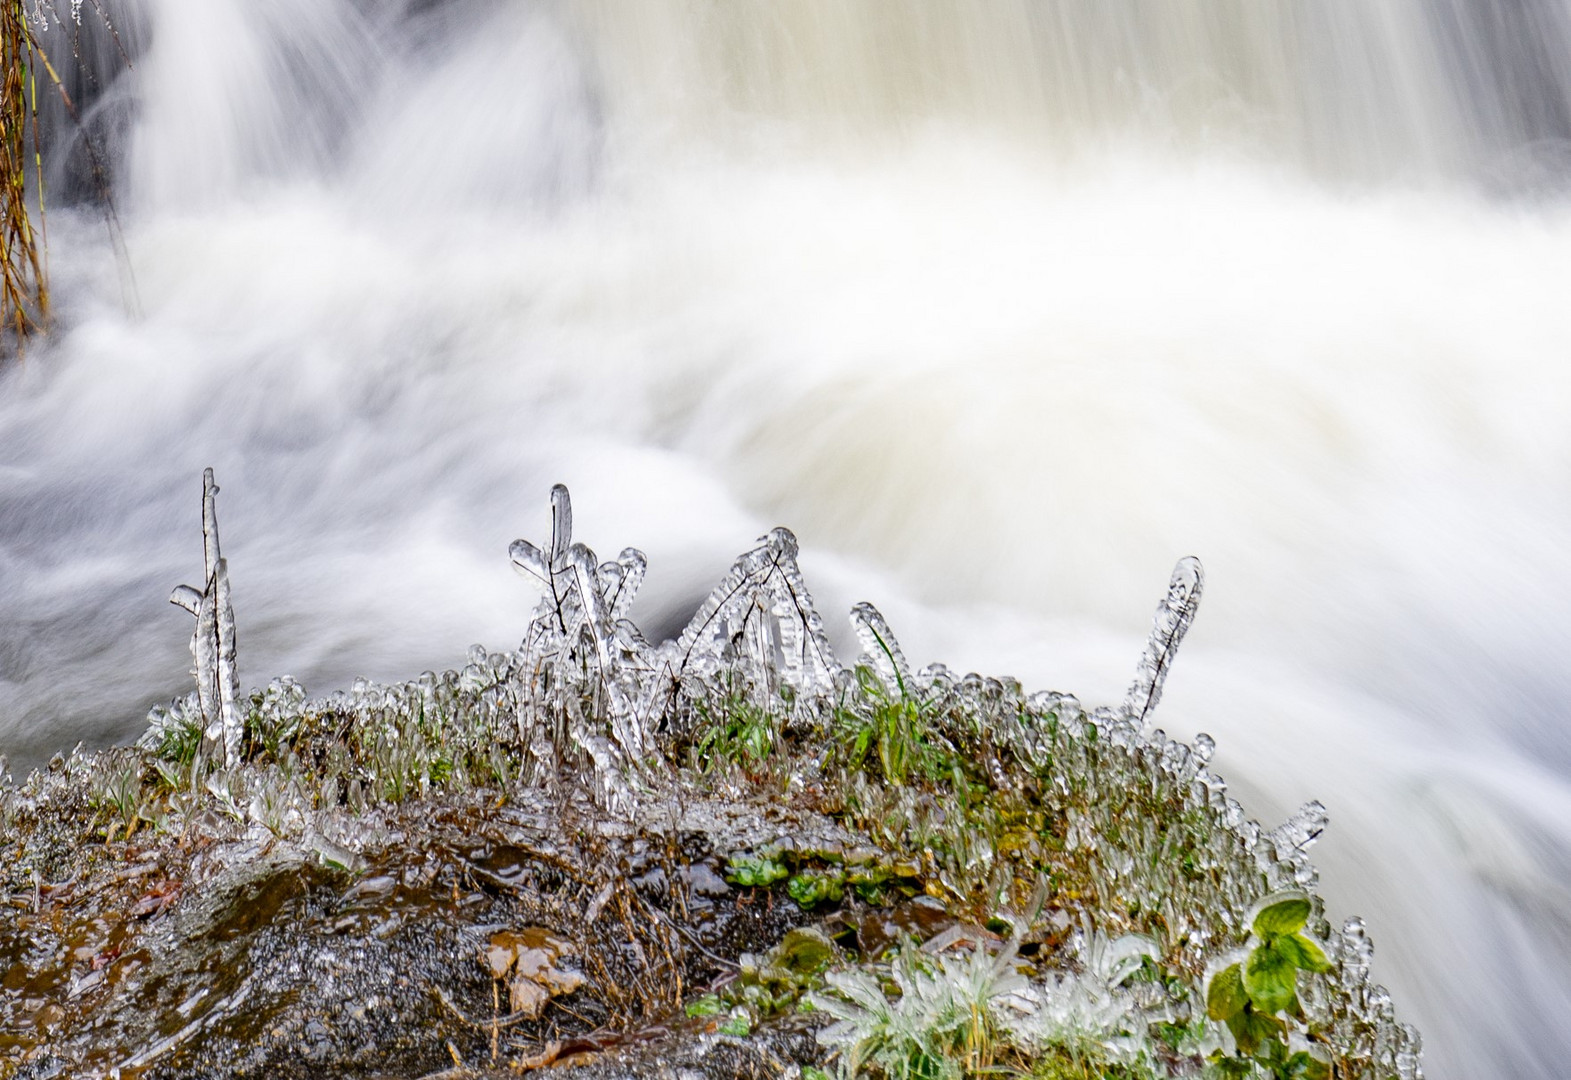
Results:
<point x="1002" y="307"/>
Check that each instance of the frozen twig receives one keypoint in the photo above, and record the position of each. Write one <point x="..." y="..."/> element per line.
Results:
<point x="213" y="643"/>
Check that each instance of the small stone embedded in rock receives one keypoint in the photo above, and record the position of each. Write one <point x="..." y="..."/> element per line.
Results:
<point x="703" y="881"/>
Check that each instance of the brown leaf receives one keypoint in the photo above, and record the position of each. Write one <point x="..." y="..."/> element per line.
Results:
<point x="526" y="996"/>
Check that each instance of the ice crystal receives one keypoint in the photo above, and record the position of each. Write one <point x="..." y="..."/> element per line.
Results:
<point x="881" y="652"/>
<point x="945" y="1011"/>
<point x="1092" y="1006"/>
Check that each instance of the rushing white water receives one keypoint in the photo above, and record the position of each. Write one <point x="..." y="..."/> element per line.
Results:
<point x="1003" y="307"/>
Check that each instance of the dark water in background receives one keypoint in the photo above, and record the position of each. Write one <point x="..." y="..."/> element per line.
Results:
<point x="1002" y="307"/>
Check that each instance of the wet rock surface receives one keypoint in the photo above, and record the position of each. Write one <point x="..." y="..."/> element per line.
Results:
<point x="495" y="919"/>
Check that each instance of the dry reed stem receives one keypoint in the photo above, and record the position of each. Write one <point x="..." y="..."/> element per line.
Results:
<point x="24" y="288"/>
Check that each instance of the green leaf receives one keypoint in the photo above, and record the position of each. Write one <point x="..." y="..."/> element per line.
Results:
<point x="1250" y="1030"/>
<point x="754" y="870"/>
<point x="864" y="739"/>
<point x="1305" y="1066"/>
<point x="1270" y="978"/>
<point x="1225" y="997"/>
<point x="708" y="1005"/>
<point x="1304" y="952"/>
<point x="813" y="887"/>
<point x="1285" y="913"/>
<point x="738" y="1025"/>
<point x="757" y="740"/>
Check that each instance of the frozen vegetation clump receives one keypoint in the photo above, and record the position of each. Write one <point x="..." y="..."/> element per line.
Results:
<point x="730" y="851"/>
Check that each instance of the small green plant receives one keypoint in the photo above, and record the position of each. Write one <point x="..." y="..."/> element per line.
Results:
<point x="767" y="988"/>
<point x="755" y="871"/>
<point x="891" y="728"/>
<point x="1249" y="995"/>
<point x="812" y="887"/>
<point x="708" y="1005"/>
<point x="117" y="789"/>
<point x="182" y="738"/>
<point x="733" y="728"/>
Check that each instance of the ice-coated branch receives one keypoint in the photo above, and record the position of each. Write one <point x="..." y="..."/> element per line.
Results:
<point x="761" y="616"/>
<point x="213" y="643"/>
<point x="1174" y="615"/>
<point x="578" y="649"/>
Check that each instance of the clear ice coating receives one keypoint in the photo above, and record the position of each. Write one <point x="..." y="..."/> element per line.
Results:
<point x="595" y="686"/>
<point x="880" y="650"/>
<point x="213" y="642"/>
<point x="587" y="696"/>
<point x="1174" y="616"/>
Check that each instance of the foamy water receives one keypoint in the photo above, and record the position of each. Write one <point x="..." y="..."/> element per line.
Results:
<point x="1002" y="311"/>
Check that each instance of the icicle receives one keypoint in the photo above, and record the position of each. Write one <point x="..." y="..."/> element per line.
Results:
<point x="561" y="525"/>
<point x="1174" y="615"/>
<point x="213" y="644"/>
<point x="528" y="559"/>
<point x="1354" y="951"/>
<point x="592" y="603"/>
<point x="807" y="663"/>
<point x="1204" y="748"/>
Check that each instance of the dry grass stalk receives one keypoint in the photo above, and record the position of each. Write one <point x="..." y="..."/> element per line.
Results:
<point x="24" y="286"/>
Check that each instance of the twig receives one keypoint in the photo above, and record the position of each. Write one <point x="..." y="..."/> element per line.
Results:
<point x="500" y="1022"/>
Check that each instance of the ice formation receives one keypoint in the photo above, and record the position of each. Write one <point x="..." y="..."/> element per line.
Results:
<point x="213" y="641"/>
<point x="1174" y="615"/>
<point x="587" y="695"/>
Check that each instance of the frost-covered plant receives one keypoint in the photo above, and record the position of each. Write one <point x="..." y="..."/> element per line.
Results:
<point x="945" y="1021"/>
<point x="116" y="787"/>
<point x="1092" y="1010"/>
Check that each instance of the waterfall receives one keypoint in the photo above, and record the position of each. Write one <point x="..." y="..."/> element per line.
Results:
<point x="1002" y="307"/>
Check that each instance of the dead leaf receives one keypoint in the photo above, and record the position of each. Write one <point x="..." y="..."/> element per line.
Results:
<point x="526" y="996"/>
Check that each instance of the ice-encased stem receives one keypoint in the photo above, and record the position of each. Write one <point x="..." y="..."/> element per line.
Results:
<point x="213" y="647"/>
<point x="581" y="600"/>
<point x="228" y="697"/>
<point x="880" y="649"/>
<point x="1174" y="615"/>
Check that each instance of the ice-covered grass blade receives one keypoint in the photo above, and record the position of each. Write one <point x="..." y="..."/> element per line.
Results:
<point x="1174" y="616"/>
